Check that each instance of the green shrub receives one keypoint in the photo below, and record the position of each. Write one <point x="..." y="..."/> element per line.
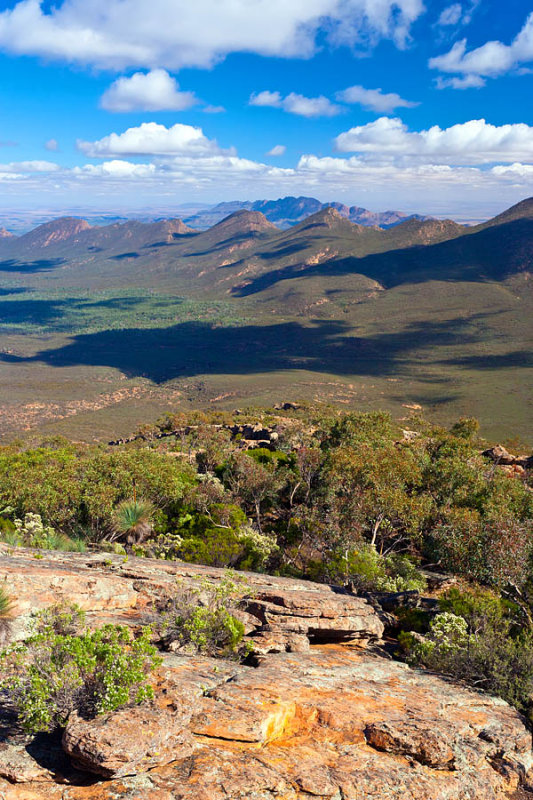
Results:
<point x="31" y="532"/>
<point x="52" y="674"/>
<point x="494" y="551"/>
<point x="78" y="487"/>
<point x="371" y="572"/>
<point x="200" y="620"/>
<point x="132" y="521"/>
<point x="477" y="638"/>
<point x="61" y="619"/>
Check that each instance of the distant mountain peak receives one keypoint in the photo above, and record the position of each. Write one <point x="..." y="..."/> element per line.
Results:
<point x="288" y="211"/>
<point x="57" y="230"/>
<point x="245" y="221"/>
<point x="328" y="217"/>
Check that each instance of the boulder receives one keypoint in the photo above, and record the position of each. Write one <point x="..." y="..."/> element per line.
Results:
<point x="279" y="613"/>
<point x="412" y="738"/>
<point x="291" y="619"/>
<point x="19" y="766"/>
<point x="500" y="455"/>
<point x="128" y="741"/>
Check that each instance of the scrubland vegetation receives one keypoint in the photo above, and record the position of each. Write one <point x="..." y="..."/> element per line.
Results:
<point x="351" y="499"/>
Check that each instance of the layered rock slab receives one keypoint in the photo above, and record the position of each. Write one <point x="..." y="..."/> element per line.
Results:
<point x="281" y="613"/>
<point x="332" y="723"/>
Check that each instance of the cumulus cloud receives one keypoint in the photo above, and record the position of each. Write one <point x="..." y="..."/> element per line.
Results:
<point x="52" y="145"/>
<point x="277" y="150"/>
<point x="116" y="169"/>
<point x="150" y="138"/>
<point x="432" y="188"/>
<point x="517" y="169"/>
<point x="151" y="91"/>
<point x="491" y="59"/>
<point x="118" y="34"/>
<point x="473" y="142"/>
<point x="374" y="99"/>
<point x="297" y="104"/>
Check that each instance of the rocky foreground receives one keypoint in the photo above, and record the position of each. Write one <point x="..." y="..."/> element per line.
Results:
<point x="321" y="714"/>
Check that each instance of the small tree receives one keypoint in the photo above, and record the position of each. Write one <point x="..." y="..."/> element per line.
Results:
<point x="252" y="482"/>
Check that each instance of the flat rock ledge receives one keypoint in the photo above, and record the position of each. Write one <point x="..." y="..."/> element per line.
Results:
<point x="330" y="722"/>
<point x="280" y="614"/>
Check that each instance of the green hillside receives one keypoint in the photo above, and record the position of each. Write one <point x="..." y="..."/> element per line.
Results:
<point x="101" y="326"/>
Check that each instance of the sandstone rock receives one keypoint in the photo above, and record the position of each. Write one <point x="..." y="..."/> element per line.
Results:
<point x="290" y="619"/>
<point x="280" y="613"/>
<point x="344" y="723"/>
<point x="18" y="766"/>
<point x="128" y="741"/>
<point x="326" y="722"/>
<point x="500" y="455"/>
<point x="410" y="738"/>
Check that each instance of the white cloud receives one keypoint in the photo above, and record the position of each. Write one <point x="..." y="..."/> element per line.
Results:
<point x="266" y="98"/>
<point x="121" y="34"/>
<point x="466" y="82"/>
<point x="213" y="109"/>
<point x="116" y="169"/>
<point x="151" y="91"/>
<point x="491" y="59"/>
<point x="373" y="99"/>
<point x="451" y="15"/>
<point x="29" y="166"/>
<point x="277" y="150"/>
<point x="296" y="104"/>
<point x="457" y="14"/>
<point x="52" y="145"/>
<point x="516" y="169"/>
<point x="473" y="142"/>
<point x="150" y="138"/>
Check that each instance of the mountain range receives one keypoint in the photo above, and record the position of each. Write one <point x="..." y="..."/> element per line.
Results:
<point x="289" y="211"/>
<point x="103" y="323"/>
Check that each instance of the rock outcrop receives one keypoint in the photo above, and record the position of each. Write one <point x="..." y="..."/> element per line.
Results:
<point x="280" y="613"/>
<point x="502" y="458"/>
<point x="319" y="715"/>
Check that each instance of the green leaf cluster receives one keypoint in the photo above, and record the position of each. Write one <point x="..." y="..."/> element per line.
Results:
<point x="52" y="674"/>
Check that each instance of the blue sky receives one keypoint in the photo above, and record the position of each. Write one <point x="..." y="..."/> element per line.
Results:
<point x="120" y="105"/>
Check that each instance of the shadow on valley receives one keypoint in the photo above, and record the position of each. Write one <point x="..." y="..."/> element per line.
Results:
<point x="54" y="312"/>
<point x="40" y="265"/>
<point x="16" y="290"/>
<point x="489" y="254"/>
<point x="193" y="348"/>
<point x="520" y="359"/>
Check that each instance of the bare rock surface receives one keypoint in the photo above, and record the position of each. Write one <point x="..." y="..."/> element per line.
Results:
<point x="283" y="613"/>
<point x="19" y="766"/>
<point x="334" y="722"/>
<point x="128" y="741"/>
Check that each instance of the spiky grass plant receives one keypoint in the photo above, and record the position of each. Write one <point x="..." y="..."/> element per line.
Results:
<point x="6" y="612"/>
<point x="132" y="521"/>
